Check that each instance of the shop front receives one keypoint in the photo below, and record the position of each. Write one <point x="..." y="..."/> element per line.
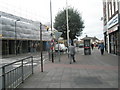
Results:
<point x="113" y="33"/>
<point x="113" y="40"/>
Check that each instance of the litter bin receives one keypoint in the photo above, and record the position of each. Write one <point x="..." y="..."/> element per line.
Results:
<point x="87" y="49"/>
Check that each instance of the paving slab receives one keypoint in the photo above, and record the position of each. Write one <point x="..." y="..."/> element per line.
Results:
<point x="89" y="71"/>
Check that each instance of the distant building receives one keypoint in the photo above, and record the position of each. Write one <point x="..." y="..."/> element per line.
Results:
<point x="111" y="25"/>
<point x="20" y="35"/>
<point x="92" y="39"/>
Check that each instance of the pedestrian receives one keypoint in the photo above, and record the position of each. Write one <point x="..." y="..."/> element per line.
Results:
<point x="71" y="50"/>
<point x="92" y="46"/>
<point x="101" y="47"/>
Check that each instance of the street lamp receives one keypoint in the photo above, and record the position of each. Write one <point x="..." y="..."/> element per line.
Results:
<point x="16" y="37"/>
<point x="67" y="26"/>
<point x="67" y="23"/>
<point x="51" y="28"/>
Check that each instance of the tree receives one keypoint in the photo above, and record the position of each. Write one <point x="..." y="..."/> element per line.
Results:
<point x="75" y="23"/>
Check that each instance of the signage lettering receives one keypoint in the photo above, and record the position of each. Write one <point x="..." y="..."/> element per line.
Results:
<point x="113" y="21"/>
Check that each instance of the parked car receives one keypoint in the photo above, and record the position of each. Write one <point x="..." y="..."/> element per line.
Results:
<point x="81" y="45"/>
<point x="62" y="48"/>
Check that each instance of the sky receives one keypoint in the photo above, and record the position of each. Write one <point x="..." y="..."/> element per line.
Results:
<point x="90" y="10"/>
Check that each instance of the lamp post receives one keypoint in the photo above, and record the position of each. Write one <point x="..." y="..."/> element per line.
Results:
<point x="51" y="28"/>
<point x="41" y="44"/>
<point x="67" y="23"/>
<point x="67" y="26"/>
<point x="16" y="37"/>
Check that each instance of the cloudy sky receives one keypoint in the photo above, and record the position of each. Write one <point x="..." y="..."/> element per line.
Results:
<point x="91" y="11"/>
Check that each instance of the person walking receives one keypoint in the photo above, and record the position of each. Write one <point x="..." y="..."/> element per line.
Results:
<point x="92" y="46"/>
<point x="101" y="47"/>
<point x="71" y="50"/>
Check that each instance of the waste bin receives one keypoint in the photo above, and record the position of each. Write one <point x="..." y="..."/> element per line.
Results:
<point x="87" y="49"/>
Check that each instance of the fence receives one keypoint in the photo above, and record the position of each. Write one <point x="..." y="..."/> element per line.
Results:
<point x="15" y="73"/>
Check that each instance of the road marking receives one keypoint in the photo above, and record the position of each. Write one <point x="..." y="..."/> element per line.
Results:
<point x="30" y="64"/>
<point x="24" y="65"/>
<point x="19" y="63"/>
<point x="16" y="65"/>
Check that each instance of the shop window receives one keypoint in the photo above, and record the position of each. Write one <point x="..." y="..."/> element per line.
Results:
<point x="4" y="47"/>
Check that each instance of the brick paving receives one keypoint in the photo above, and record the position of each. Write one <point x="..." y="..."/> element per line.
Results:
<point x="89" y="71"/>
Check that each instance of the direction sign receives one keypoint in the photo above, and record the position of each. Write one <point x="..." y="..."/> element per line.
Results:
<point x="57" y="34"/>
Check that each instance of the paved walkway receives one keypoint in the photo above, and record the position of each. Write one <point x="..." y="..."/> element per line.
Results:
<point x="90" y="71"/>
<point x="12" y="58"/>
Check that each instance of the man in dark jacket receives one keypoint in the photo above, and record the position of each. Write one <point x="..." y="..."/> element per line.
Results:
<point x="92" y="46"/>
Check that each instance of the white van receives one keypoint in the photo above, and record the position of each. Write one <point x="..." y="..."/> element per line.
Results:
<point x="62" y="47"/>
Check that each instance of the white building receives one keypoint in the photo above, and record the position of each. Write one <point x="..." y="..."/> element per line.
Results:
<point x="20" y="35"/>
<point x="111" y="25"/>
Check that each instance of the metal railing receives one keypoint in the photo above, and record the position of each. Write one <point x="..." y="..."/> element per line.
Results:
<point x="13" y="74"/>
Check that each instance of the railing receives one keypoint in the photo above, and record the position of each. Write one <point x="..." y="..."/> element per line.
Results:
<point x="15" y="73"/>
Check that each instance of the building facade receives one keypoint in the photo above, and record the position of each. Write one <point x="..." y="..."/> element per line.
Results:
<point x="92" y="39"/>
<point x="111" y="25"/>
<point x="20" y="35"/>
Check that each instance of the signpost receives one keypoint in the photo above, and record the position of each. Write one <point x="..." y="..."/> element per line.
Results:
<point x="57" y="35"/>
<point x="41" y="48"/>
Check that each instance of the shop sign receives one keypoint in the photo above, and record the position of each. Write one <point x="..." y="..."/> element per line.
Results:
<point x="113" y="21"/>
<point x="113" y="29"/>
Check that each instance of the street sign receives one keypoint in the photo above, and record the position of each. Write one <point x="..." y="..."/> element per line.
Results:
<point x="57" y="34"/>
<point x="52" y="44"/>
